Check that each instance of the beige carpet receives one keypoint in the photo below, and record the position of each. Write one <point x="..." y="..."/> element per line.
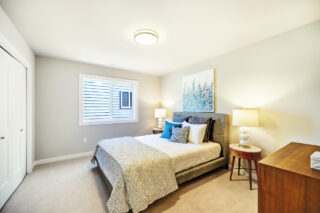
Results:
<point x="73" y="186"/>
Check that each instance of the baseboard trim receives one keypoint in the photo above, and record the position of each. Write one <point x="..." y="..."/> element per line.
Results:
<point x="31" y="169"/>
<point x="62" y="158"/>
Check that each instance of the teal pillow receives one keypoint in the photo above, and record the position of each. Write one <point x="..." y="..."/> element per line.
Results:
<point x="180" y="135"/>
<point x="167" y="130"/>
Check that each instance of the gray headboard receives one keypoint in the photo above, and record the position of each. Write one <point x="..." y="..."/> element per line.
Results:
<point x="221" y="128"/>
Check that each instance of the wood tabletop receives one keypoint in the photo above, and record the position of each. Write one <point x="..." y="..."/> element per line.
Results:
<point x="295" y="157"/>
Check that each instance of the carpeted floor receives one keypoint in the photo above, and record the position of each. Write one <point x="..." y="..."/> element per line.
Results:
<point x="73" y="186"/>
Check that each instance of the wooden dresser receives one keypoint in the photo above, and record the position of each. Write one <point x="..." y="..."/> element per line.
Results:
<point x="287" y="184"/>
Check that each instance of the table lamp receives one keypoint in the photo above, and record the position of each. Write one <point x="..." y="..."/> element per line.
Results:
<point x="244" y="118"/>
<point x="160" y="114"/>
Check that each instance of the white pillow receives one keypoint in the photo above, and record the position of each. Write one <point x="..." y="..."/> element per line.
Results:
<point x="196" y="132"/>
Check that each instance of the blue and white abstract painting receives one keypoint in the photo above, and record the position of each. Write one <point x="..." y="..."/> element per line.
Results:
<point x="198" y="92"/>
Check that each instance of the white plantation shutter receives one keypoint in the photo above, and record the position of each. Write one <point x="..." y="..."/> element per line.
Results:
<point x="100" y="100"/>
<point x="118" y="112"/>
<point x="97" y="100"/>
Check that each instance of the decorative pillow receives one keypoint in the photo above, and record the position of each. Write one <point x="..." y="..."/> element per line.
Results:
<point x="197" y="120"/>
<point x="178" y="118"/>
<point x="211" y="130"/>
<point x="196" y="133"/>
<point x="180" y="135"/>
<point x="167" y="130"/>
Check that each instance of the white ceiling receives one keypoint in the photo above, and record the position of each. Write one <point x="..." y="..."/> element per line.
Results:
<point x="101" y="31"/>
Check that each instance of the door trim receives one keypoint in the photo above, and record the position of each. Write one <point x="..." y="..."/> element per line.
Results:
<point x="14" y="57"/>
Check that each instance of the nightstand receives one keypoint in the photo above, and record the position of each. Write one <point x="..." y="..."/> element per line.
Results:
<point x="157" y="131"/>
<point x="251" y="153"/>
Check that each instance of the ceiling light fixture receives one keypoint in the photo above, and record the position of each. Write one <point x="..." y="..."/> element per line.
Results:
<point x="146" y="36"/>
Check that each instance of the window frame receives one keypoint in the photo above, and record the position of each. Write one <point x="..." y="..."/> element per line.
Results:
<point x="129" y="100"/>
<point x="111" y="121"/>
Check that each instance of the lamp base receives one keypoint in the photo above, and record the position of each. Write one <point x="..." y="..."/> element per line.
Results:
<point x="244" y="137"/>
<point x="160" y="120"/>
<point x="244" y="146"/>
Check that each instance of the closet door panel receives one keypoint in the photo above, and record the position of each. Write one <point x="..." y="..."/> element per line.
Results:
<point x="23" y="121"/>
<point x="4" y="148"/>
<point x="12" y="125"/>
<point x="17" y="119"/>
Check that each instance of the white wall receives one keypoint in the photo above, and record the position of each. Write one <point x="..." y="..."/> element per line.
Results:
<point x="12" y="41"/>
<point x="280" y="76"/>
<point x="57" y="107"/>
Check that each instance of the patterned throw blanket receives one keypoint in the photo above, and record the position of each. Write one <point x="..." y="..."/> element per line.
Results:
<point x="139" y="174"/>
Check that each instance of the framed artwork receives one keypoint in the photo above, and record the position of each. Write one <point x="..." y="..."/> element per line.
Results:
<point x="198" y="92"/>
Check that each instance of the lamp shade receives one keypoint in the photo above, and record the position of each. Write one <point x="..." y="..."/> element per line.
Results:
<point x="245" y="118"/>
<point x="160" y="113"/>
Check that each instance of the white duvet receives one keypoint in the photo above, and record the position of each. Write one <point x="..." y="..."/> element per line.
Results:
<point x="184" y="156"/>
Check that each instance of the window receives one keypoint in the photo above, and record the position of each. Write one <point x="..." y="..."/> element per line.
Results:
<point x="125" y="100"/>
<point x="107" y="100"/>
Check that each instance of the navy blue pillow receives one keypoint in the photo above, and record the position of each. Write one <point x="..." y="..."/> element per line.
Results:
<point x="167" y="130"/>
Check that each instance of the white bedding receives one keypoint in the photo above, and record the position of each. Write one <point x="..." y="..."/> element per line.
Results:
<point x="184" y="156"/>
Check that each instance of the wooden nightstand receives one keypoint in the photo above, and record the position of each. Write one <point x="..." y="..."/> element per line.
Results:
<point x="248" y="153"/>
<point x="157" y="131"/>
<point x="287" y="184"/>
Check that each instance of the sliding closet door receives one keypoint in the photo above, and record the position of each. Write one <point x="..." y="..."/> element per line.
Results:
<point x="4" y="162"/>
<point x="12" y="125"/>
<point x="17" y="119"/>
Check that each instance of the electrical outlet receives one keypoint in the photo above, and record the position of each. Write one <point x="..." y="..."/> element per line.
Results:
<point x="84" y="140"/>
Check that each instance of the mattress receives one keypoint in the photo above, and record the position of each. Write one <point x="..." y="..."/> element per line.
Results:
<point x="183" y="156"/>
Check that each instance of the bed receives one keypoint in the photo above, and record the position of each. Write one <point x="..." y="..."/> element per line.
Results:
<point x="152" y="167"/>
<point x="220" y="135"/>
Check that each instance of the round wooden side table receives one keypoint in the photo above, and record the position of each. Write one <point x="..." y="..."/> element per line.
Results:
<point x="247" y="153"/>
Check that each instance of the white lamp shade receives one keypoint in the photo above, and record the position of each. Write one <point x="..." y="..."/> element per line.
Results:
<point x="245" y="118"/>
<point x="160" y="113"/>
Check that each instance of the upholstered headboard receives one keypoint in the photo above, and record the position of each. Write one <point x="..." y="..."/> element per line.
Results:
<point x="221" y="128"/>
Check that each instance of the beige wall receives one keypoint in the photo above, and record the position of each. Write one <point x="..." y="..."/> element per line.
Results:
<point x="57" y="107"/>
<point x="279" y="76"/>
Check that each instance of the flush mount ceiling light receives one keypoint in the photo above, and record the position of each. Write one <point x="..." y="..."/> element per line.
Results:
<point x="146" y="36"/>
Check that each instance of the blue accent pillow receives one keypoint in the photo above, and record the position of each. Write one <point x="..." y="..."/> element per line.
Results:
<point x="180" y="135"/>
<point x="167" y="130"/>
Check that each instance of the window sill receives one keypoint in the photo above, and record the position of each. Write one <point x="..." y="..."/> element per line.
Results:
<point x="81" y="123"/>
